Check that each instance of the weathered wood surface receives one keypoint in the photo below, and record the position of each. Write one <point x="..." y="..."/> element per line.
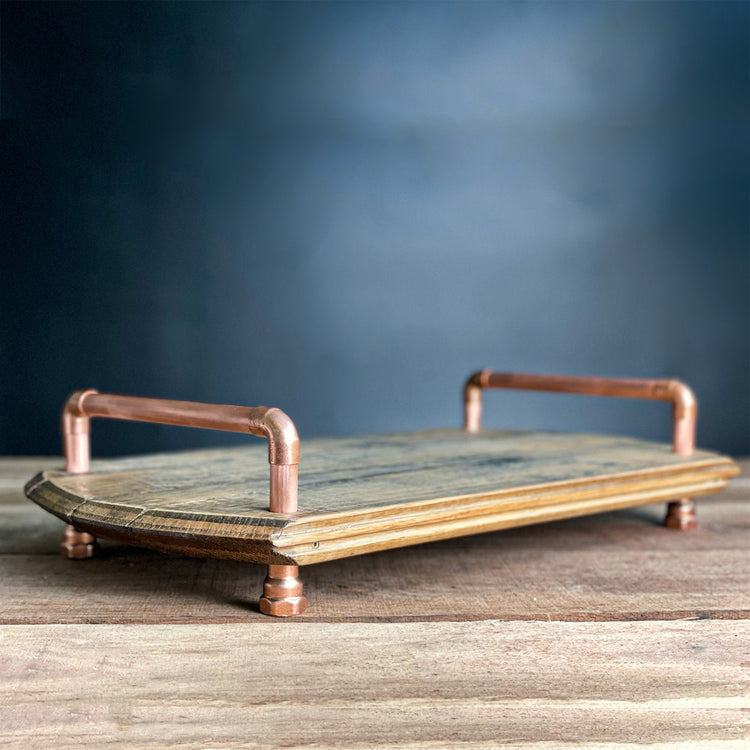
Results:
<point x="613" y="566"/>
<point x="421" y="685"/>
<point x="364" y="494"/>
<point x="654" y="682"/>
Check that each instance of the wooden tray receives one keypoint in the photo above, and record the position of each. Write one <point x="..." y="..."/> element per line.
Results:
<point x="358" y="495"/>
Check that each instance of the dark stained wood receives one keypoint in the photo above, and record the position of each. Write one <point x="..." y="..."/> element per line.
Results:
<point x="364" y="494"/>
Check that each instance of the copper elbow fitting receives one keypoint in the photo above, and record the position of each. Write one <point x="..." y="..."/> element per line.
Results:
<point x="283" y="441"/>
<point x="685" y="414"/>
<point x="473" y="402"/>
<point x="76" y="427"/>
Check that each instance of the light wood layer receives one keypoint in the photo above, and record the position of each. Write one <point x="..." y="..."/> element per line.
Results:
<point x="363" y="494"/>
<point x="424" y="685"/>
<point x="612" y="566"/>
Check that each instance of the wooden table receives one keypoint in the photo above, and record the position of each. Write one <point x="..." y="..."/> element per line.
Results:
<point x="603" y="631"/>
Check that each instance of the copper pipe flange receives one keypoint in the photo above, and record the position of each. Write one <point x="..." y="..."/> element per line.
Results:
<point x="77" y="545"/>
<point x="283" y="592"/>
<point x="681" y="515"/>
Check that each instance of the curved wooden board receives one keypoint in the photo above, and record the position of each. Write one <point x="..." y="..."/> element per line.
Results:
<point x="368" y="493"/>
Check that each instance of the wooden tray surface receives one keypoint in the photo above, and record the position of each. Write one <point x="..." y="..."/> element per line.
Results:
<point x="365" y="493"/>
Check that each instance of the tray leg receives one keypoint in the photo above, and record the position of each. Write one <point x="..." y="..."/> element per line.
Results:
<point x="282" y="592"/>
<point x="681" y="515"/>
<point x="77" y="545"/>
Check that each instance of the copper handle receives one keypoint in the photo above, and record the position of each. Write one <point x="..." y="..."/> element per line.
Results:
<point x="684" y="403"/>
<point x="273" y="424"/>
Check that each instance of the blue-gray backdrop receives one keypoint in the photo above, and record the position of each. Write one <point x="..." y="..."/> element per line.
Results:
<point x="344" y="208"/>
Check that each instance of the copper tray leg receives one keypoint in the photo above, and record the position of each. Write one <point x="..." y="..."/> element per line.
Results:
<point x="282" y="592"/>
<point x="680" y="513"/>
<point x="77" y="545"/>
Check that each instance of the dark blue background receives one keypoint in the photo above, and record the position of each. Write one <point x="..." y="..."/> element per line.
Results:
<point x="342" y="209"/>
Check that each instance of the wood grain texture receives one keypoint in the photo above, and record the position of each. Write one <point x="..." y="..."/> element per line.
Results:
<point x="364" y="494"/>
<point x="422" y="685"/>
<point x="644" y="680"/>
<point x="612" y="566"/>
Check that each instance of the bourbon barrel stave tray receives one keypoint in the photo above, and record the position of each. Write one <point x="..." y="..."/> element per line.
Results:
<point x="362" y="494"/>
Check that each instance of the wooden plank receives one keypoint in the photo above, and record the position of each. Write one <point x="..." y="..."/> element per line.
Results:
<point x="422" y="685"/>
<point x="341" y="474"/>
<point x="19" y="518"/>
<point x="614" y="566"/>
<point x="370" y="493"/>
<point x="142" y="588"/>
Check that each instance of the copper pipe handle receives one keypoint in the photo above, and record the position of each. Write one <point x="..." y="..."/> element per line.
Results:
<point x="684" y="403"/>
<point x="271" y="423"/>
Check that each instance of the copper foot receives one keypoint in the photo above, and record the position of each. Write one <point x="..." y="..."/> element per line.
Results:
<point x="77" y="545"/>
<point x="681" y="515"/>
<point x="282" y="592"/>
